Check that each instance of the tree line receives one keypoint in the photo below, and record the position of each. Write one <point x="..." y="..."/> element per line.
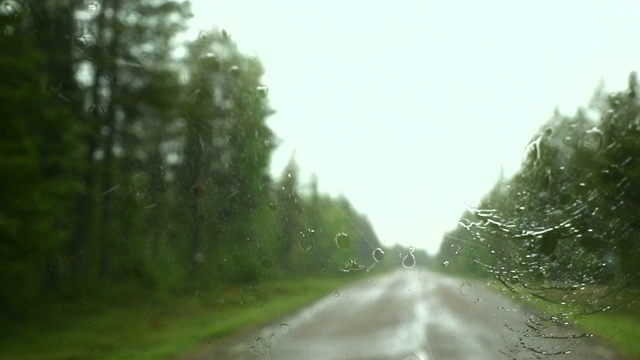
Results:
<point x="569" y="217"/>
<point x="124" y="163"/>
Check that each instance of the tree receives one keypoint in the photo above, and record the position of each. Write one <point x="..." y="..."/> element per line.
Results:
<point x="131" y="166"/>
<point x="291" y="215"/>
<point x="39" y="147"/>
<point x="567" y="217"/>
<point x="226" y="150"/>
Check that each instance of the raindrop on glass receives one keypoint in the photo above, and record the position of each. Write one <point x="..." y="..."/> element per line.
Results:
<point x="378" y="255"/>
<point x="409" y="260"/>
<point x="593" y="140"/>
<point x="210" y="62"/>
<point x="569" y="141"/>
<point x="465" y="288"/>
<point x="273" y="341"/>
<point x="336" y="294"/>
<point x="260" y="349"/>
<point x="234" y="70"/>
<point x="284" y="329"/>
<point x="86" y="41"/>
<point x="262" y="90"/>
<point x="446" y="263"/>
<point x="306" y="243"/>
<point x="144" y="57"/>
<point x="353" y="265"/>
<point x="343" y="241"/>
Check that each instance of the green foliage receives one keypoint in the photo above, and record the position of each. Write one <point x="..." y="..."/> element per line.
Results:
<point x="131" y="168"/>
<point x="38" y="150"/>
<point x="321" y="234"/>
<point x="141" y="325"/>
<point x="568" y="217"/>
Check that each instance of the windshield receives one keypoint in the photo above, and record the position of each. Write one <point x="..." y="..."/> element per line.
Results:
<point x="318" y="180"/>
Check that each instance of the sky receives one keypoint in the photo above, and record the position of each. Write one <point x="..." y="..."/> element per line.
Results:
<point x="412" y="108"/>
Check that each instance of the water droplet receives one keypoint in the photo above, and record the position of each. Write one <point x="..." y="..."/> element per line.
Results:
<point x="210" y="62"/>
<point x="260" y="349"/>
<point x="409" y="260"/>
<point x="336" y="294"/>
<point x="284" y="329"/>
<point x="465" y="289"/>
<point x="378" y="255"/>
<point x="569" y="141"/>
<point x="455" y="248"/>
<point x="86" y="40"/>
<point x="234" y="70"/>
<point x="343" y="241"/>
<point x="353" y="265"/>
<point x="593" y="140"/>
<point x="262" y="90"/>
<point x="445" y="263"/>
<point x="306" y="243"/>
<point x="144" y="57"/>
<point x="266" y="263"/>
<point x="273" y="341"/>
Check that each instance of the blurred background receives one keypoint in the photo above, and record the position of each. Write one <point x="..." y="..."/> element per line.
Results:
<point x="234" y="161"/>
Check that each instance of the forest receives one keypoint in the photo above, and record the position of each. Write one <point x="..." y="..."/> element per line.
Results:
<point x="136" y="167"/>
<point x="128" y="166"/>
<point x="566" y="222"/>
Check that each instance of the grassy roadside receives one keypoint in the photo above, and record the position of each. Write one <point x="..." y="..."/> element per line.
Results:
<point x="143" y="328"/>
<point x="618" y="329"/>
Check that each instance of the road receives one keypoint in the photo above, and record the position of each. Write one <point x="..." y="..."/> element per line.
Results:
<point x="412" y="314"/>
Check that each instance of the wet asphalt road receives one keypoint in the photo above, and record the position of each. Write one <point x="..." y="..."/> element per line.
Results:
<point x="409" y="315"/>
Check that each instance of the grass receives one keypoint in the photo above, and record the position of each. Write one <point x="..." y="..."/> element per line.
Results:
<point x="620" y="331"/>
<point x="135" y="327"/>
<point x="617" y="328"/>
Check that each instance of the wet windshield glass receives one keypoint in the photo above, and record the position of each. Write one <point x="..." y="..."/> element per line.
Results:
<point x="318" y="180"/>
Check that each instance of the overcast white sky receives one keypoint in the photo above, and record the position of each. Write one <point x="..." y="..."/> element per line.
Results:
<point x="410" y="108"/>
